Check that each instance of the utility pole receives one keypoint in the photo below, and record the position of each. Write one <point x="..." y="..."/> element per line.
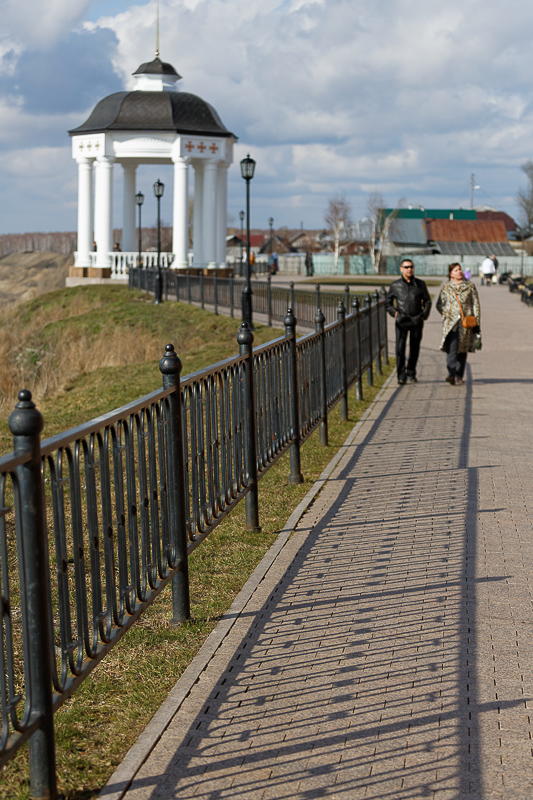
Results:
<point x="472" y="187"/>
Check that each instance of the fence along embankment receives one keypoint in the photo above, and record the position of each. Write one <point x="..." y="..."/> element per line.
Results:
<point x="96" y="521"/>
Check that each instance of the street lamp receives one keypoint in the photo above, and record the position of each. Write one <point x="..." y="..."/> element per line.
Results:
<point x="241" y="215"/>
<point x="247" y="172"/>
<point x="139" y="199"/>
<point x="271" y="223"/>
<point x="159" y="188"/>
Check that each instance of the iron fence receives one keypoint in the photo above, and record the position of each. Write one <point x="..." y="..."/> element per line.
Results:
<point x="226" y="292"/>
<point x="96" y="521"/>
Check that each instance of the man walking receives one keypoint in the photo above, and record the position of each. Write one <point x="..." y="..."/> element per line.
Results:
<point x="408" y="301"/>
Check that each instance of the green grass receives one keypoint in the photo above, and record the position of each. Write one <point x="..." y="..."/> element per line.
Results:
<point x="96" y="727"/>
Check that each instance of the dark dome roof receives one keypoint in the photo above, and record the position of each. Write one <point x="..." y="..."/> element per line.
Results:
<point x="156" y="67"/>
<point x="155" y="111"/>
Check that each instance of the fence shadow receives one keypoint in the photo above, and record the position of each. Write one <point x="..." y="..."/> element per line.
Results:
<point x="358" y="675"/>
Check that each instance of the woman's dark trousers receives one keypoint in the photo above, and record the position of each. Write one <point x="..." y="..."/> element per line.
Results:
<point x="415" y="337"/>
<point x="455" y="361"/>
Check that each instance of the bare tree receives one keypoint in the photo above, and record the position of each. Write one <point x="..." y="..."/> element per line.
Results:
<point x="524" y="197"/>
<point x="382" y="226"/>
<point x="337" y="218"/>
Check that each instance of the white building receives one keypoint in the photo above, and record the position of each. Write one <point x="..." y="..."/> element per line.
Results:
<point x="153" y="124"/>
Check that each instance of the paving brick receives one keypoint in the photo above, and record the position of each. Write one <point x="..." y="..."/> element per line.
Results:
<point x="386" y="650"/>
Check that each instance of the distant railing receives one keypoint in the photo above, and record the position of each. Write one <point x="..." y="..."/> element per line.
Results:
<point x="226" y="292"/>
<point x="96" y="521"/>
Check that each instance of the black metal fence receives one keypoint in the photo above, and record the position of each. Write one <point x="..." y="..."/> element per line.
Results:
<point x="96" y="521"/>
<point x="222" y="292"/>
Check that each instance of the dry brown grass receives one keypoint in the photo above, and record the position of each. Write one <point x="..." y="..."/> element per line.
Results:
<point x="45" y="360"/>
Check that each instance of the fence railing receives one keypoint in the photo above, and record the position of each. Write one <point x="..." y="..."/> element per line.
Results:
<point x="267" y="298"/>
<point x="96" y="521"/>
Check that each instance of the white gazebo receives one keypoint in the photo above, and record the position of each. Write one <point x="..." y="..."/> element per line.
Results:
<point x="153" y="124"/>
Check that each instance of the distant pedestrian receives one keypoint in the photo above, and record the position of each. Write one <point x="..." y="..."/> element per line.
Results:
<point x="459" y="303"/>
<point x="408" y="301"/>
<point x="117" y="248"/>
<point x="308" y="264"/>
<point x="487" y="270"/>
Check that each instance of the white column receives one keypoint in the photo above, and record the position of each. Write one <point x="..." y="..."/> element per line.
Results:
<point x="128" y="207"/>
<point x="209" y="222"/>
<point x="103" y="210"/>
<point x="222" y="213"/>
<point x="197" y="240"/>
<point x="85" y="217"/>
<point x="180" y="213"/>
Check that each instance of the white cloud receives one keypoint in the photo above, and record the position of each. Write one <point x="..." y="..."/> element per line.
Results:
<point x="407" y="96"/>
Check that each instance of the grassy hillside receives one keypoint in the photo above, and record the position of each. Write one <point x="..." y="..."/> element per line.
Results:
<point x="87" y="350"/>
<point x="29" y="274"/>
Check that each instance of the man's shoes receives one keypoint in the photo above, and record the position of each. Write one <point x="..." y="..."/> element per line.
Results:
<point x="451" y="379"/>
<point x="402" y="380"/>
<point x="458" y="381"/>
<point x="411" y="379"/>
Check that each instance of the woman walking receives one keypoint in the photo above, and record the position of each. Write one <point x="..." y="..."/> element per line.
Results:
<point x="459" y="305"/>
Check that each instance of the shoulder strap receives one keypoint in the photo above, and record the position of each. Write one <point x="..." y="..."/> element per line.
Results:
<point x="459" y="302"/>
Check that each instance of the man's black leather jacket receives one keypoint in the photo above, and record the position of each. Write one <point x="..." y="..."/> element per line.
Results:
<point x="410" y="299"/>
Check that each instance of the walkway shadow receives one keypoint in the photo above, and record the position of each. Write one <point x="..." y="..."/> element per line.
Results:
<point x="358" y="675"/>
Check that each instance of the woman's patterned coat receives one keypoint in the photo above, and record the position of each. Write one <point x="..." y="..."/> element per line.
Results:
<point x="448" y="306"/>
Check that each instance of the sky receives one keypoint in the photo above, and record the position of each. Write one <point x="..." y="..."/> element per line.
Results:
<point x="408" y="98"/>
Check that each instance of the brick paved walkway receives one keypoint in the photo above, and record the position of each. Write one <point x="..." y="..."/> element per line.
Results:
<point x="387" y="653"/>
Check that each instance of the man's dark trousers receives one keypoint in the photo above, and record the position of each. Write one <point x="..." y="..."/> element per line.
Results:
<point x="415" y="334"/>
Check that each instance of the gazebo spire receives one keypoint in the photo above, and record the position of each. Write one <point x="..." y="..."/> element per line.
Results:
<point x="157" y="32"/>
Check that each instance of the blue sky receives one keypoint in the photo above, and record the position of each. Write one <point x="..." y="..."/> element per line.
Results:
<point x="404" y="97"/>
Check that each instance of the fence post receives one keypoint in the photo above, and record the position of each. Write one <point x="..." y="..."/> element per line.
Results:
<point x="189" y="295"/>
<point x="317" y="299"/>
<point x="26" y="424"/>
<point x="245" y="339"/>
<point x="319" y="328"/>
<point x="359" y="382"/>
<point x="215" y="291"/>
<point x="383" y="313"/>
<point x="341" y="317"/>
<point x="369" y="372"/>
<point x="379" y="370"/>
<point x="269" y="299"/>
<point x="295" y="475"/>
<point x="202" y="290"/>
<point x="231" y="309"/>
<point x="346" y="298"/>
<point x="170" y="368"/>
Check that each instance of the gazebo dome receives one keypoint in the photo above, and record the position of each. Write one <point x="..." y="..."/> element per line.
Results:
<point x="155" y="104"/>
<point x="179" y="112"/>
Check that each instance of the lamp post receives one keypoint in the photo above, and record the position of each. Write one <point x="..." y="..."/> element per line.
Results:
<point x="139" y="199"/>
<point x="247" y="172"/>
<point x="241" y="215"/>
<point x="159" y="188"/>
<point x="271" y="223"/>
